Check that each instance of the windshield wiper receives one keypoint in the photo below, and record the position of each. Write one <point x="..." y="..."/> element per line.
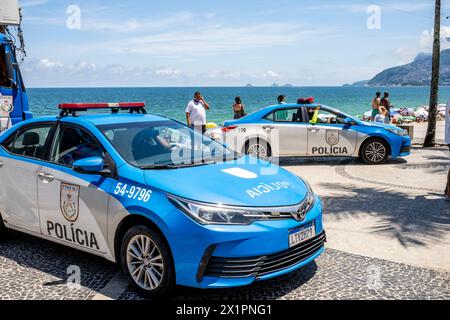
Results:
<point x="175" y="166"/>
<point x="159" y="167"/>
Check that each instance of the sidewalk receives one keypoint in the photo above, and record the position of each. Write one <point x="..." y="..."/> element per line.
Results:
<point x="395" y="211"/>
<point x="420" y="130"/>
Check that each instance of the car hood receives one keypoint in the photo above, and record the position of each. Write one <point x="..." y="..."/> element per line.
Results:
<point x="255" y="184"/>
<point x="384" y="126"/>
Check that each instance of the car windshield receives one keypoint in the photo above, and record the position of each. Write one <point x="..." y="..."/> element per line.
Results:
<point x="164" y="144"/>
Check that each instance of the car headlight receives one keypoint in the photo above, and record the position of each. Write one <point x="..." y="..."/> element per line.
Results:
<point x="217" y="214"/>
<point x="308" y="203"/>
<point x="208" y="214"/>
<point x="399" y="132"/>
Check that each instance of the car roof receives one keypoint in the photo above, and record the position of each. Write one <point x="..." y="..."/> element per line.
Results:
<point x="100" y="119"/>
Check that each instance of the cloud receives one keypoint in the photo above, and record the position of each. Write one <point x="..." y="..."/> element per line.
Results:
<point x="49" y="64"/>
<point x="405" y="54"/>
<point x="168" y="72"/>
<point x="426" y="39"/>
<point x="424" y="45"/>
<point x="53" y="73"/>
<point x="217" y="38"/>
<point x="31" y="3"/>
<point x="134" y="25"/>
<point x="385" y="7"/>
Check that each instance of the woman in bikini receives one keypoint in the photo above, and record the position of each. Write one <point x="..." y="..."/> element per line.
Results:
<point x="238" y="108"/>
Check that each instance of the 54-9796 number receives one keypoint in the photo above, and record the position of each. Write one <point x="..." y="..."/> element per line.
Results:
<point x="132" y="192"/>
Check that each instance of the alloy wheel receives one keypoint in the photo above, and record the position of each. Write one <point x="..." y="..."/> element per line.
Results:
<point x="257" y="150"/>
<point x="145" y="262"/>
<point x="376" y="152"/>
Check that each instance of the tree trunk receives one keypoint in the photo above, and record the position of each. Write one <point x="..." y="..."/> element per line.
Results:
<point x="430" y="138"/>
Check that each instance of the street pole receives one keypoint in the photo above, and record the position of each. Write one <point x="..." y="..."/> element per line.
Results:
<point x="430" y="138"/>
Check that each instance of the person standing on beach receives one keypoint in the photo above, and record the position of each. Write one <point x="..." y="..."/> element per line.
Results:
<point x="387" y="104"/>
<point x="238" y="108"/>
<point x="376" y="102"/>
<point x="281" y="99"/>
<point x="196" y="112"/>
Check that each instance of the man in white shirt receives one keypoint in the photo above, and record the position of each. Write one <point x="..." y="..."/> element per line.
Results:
<point x="196" y="113"/>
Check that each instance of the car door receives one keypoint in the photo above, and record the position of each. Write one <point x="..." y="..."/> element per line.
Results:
<point x="21" y="158"/>
<point x="73" y="206"/>
<point x="288" y="132"/>
<point x="330" y="136"/>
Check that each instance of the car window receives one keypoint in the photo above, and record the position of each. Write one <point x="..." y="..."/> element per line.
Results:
<point x="73" y="144"/>
<point x="30" y="142"/>
<point x="285" y="115"/>
<point x="163" y="143"/>
<point x="325" y="116"/>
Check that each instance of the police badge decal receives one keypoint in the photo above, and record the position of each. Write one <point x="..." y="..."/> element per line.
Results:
<point x="69" y="201"/>
<point x="332" y="137"/>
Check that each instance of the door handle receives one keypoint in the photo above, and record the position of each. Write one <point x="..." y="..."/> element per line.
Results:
<point x="313" y="129"/>
<point x="1" y="164"/>
<point x="268" y="127"/>
<point x="46" y="177"/>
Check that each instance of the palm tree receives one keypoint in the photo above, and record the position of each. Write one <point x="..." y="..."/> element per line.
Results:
<point x="430" y="138"/>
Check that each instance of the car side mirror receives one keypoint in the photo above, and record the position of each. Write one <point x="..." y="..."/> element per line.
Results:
<point x="93" y="165"/>
<point x="348" y="121"/>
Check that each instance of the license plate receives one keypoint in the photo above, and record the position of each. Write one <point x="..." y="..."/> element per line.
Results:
<point x="302" y="234"/>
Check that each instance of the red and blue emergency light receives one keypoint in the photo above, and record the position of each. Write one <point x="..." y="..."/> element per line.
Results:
<point x="309" y="100"/>
<point x="72" y="108"/>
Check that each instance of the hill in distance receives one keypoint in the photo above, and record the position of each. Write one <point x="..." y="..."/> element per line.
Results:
<point x="416" y="73"/>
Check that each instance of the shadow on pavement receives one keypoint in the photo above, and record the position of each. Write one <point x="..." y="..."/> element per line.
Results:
<point x="51" y="261"/>
<point x="412" y="220"/>
<point x="330" y="161"/>
<point x="264" y="290"/>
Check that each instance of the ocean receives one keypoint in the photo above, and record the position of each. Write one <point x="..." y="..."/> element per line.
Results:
<point x="171" y="102"/>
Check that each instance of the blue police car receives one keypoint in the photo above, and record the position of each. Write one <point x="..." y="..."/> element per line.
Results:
<point x="168" y="204"/>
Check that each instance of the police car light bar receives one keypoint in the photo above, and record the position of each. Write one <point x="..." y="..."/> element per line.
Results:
<point x="309" y="100"/>
<point x="72" y="108"/>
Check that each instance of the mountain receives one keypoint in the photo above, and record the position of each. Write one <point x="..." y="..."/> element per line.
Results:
<point x="416" y="73"/>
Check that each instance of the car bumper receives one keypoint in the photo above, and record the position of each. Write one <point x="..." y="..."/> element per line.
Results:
<point x="401" y="147"/>
<point x="220" y="256"/>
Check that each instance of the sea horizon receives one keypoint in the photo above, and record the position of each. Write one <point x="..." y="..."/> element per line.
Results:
<point x="171" y="101"/>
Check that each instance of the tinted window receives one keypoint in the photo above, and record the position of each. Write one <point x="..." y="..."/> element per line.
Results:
<point x="285" y="115"/>
<point x="73" y="144"/>
<point x="30" y="142"/>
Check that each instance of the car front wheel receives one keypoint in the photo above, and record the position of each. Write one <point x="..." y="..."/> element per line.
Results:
<point x="146" y="262"/>
<point x="374" y="151"/>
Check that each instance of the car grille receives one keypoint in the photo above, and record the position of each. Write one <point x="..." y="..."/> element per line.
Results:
<point x="263" y="265"/>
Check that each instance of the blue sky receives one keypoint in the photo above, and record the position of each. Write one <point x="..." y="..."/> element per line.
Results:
<point x="220" y="43"/>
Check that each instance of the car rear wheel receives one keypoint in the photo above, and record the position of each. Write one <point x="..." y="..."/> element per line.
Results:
<point x="146" y="262"/>
<point x="258" y="148"/>
<point x="374" y="151"/>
